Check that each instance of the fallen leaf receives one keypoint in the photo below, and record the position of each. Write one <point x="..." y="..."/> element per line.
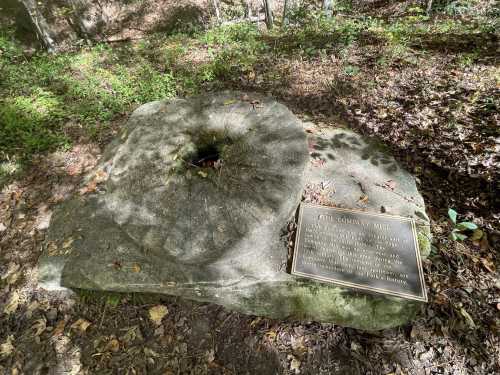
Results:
<point x="271" y="334"/>
<point x="31" y="308"/>
<point x="295" y="365"/>
<point x="113" y="346"/>
<point x="68" y="243"/>
<point x="391" y="184"/>
<point x="318" y="162"/>
<point x="150" y="352"/>
<point x="485" y="245"/>
<point x="52" y="249"/>
<point x="255" y="322"/>
<point x="81" y="325"/>
<point x="12" y="304"/>
<point x="100" y="176"/>
<point x="89" y="188"/>
<point x="7" y="348"/>
<point x="39" y="327"/>
<point x="156" y="313"/>
<point x="363" y="199"/>
<point x="203" y="174"/>
<point x="12" y="273"/>
<point x="136" y="268"/>
<point x="468" y="318"/>
<point x="229" y="101"/>
<point x="59" y="328"/>
<point x="210" y="356"/>
<point x="477" y="235"/>
<point x="488" y="264"/>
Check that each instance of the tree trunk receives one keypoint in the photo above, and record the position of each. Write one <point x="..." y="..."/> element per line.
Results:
<point x="248" y="9"/>
<point x="217" y="11"/>
<point x="429" y="7"/>
<point x="41" y="26"/>
<point x="328" y="8"/>
<point x="268" y="7"/>
<point x="288" y="6"/>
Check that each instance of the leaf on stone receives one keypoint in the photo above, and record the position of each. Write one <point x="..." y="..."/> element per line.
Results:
<point x="12" y="304"/>
<point x="363" y="199"/>
<point x="68" y="242"/>
<point x="136" y="268"/>
<point x="156" y="313"/>
<point x="99" y="177"/>
<point x="7" y="348"/>
<point x="52" y="249"/>
<point x="81" y="325"/>
<point x="391" y="184"/>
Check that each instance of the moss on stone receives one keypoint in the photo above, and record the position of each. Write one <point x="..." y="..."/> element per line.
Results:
<point x="311" y="300"/>
<point x="424" y="240"/>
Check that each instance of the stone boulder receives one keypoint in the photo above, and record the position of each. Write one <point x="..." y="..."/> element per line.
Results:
<point x="194" y="197"/>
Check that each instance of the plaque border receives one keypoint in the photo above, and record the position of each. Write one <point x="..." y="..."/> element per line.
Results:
<point x="421" y="298"/>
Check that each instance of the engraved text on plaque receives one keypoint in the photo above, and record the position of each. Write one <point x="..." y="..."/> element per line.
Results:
<point x="368" y="251"/>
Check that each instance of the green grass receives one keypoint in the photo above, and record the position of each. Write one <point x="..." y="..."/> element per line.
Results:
<point x="92" y="87"/>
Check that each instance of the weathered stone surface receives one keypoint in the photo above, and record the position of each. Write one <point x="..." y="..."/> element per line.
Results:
<point x="156" y="223"/>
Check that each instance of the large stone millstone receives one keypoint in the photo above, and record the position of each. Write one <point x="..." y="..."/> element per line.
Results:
<point x="192" y="201"/>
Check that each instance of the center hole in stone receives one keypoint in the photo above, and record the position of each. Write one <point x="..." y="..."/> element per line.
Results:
<point x="206" y="156"/>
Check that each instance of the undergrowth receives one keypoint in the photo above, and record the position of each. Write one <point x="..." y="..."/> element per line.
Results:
<point x="88" y="89"/>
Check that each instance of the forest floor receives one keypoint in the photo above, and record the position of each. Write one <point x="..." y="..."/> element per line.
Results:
<point x="427" y="87"/>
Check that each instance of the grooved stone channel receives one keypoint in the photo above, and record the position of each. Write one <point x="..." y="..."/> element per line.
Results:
<point x="192" y="199"/>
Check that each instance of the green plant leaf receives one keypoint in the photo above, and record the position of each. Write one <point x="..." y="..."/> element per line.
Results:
<point x="453" y="235"/>
<point x="113" y="300"/>
<point x="461" y="236"/>
<point x="452" y="214"/>
<point x="466" y="225"/>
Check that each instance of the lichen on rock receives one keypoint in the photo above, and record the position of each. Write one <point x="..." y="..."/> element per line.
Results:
<point x="191" y="200"/>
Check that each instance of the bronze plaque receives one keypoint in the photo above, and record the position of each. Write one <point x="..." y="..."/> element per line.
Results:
<point x="367" y="251"/>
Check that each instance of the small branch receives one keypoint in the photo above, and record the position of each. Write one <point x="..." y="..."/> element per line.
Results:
<point x="240" y="20"/>
<point x="217" y="10"/>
